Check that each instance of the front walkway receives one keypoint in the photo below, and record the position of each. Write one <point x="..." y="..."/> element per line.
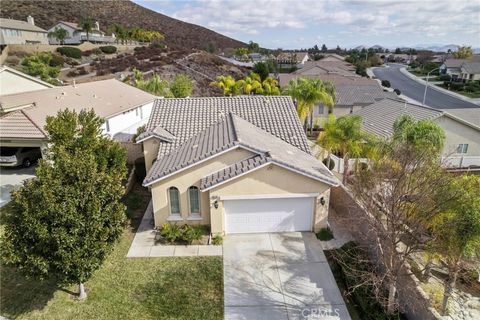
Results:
<point x="143" y="244"/>
<point x="279" y="276"/>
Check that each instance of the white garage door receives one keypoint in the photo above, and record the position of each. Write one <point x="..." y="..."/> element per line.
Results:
<point x="268" y="215"/>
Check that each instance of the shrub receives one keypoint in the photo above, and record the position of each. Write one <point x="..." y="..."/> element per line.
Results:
<point x="473" y="86"/>
<point x="325" y="234"/>
<point x="458" y="86"/>
<point x="140" y="171"/>
<point x="444" y="77"/>
<point x="38" y="64"/>
<point x="57" y="61"/>
<point x="217" y="240"/>
<point x="158" y="46"/>
<point x="386" y="83"/>
<point x="181" y="86"/>
<point x="398" y="92"/>
<point x="70" y="52"/>
<point x="191" y="233"/>
<point x="108" y="49"/>
<point x="138" y="49"/>
<point x="170" y="232"/>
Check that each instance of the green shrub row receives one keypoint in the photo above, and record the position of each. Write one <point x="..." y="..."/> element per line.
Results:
<point x="108" y="49"/>
<point x="184" y="233"/>
<point x="70" y="52"/>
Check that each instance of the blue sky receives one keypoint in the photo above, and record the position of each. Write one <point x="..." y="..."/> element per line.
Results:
<point x="348" y="23"/>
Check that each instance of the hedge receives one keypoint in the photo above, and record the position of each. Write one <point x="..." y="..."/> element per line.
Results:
<point x="70" y="52"/>
<point x="386" y="83"/>
<point x="56" y="61"/>
<point x="108" y="49"/>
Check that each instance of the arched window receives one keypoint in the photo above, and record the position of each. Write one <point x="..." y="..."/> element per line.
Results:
<point x="194" y="199"/>
<point x="174" y="198"/>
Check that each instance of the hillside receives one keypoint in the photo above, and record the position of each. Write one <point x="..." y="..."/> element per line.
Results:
<point x="126" y="13"/>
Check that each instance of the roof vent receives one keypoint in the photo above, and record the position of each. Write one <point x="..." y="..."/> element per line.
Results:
<point x="64" y="93"/>
<point x="94" y="95"/>
<point x="195" y="146"/>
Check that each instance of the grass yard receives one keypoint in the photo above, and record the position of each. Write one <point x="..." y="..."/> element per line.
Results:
<point x="133" y="288"/>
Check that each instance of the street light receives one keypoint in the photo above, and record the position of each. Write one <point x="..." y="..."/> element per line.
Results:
<point x="426" y="85"/>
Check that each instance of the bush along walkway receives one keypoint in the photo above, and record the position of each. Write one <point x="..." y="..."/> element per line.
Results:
<point x="144" y="243"/>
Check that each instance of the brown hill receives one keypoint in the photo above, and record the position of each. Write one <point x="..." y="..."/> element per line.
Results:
<point x="126" y="13"/>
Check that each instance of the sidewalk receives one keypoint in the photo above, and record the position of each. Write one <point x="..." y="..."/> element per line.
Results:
<point x="443" y="90"/>
<point x="143" y="244"/>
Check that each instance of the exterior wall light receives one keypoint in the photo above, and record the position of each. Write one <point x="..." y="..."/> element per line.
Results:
<point x="215" y="204"/>
<point x="322" y="201"/>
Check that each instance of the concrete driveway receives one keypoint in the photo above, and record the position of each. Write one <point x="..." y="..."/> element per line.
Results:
<point x="279" y="276"/>
<point x="10" y="179"/>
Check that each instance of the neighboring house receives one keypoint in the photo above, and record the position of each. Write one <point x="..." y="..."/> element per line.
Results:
<point x="332" y="57"/>
<point x="462" y="138"/>
<point x="76" y="35"/>
<point x="256" y="57"/>
<point x="21" y="32"/>
<point x="14" y="81"/>
<point x="452" y="67"/>
<point x="398" y="57"/>
<point x="25" y="114"/>
<point x="470" y="70"/>
<point x="298" y="59"/>
<point x="238" y="164"/>
<point x="327" y="67"/>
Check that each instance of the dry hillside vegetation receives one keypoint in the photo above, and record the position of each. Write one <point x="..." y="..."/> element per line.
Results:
<point x="177" y="33"/>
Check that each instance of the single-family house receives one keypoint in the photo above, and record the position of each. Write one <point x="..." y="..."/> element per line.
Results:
<point x="21" y="32"/>
<point x="124" y="108"/>
<point x="14" y="81"/>
<point x="332" y="57"/>
<point x="238" y="164"/>
<point x="76" y="35"/>
<point x="462" y="138"/>
<point x="327" y="67"/>
<point x="287" y="59"/>
<point x="452" y="67"/>
<point x="470" y="70"/>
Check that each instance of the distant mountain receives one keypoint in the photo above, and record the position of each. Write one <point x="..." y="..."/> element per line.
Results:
<point x="177" y="33"/>
<point x="438" y="48"/>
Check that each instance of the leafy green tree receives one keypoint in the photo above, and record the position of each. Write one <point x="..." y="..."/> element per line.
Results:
<point x="270" y="87"/>
<point x="181" y="86"/>
<point x="59" y="34"/>
<point x="261" y="68"/>
<point x="307" y="93"/>
<point x="86" y="25"/>
<point x="464" y="52"/>
<point x="156" y="86"/>
<point x="253" y="46"/>
<point x="39" y="65"/>
<point x="227" y="84"/>
<point x="119" y="31"/>
<point x="344" y="136"/>
<point x="456" y="230"/>
<point x="65" y="221"/>
<point x="250" y="84"/>
<point x="420" y="135"/>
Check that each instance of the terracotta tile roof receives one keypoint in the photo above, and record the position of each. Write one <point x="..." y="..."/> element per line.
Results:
<point x="16" y="125"/>
<point x="284" y="79"/>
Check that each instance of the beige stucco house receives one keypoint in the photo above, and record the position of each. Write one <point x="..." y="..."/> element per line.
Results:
<point x="14" y="81"/>
<point x="239" y="164"/>
<point x="21" y="32"/>
<point x="462" y="137"/>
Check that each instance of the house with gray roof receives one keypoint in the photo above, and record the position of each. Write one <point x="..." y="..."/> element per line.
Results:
<point x="453" y="67"/>
<point x="470" y="70"/>
<point x="462" y="138"/>
<point x="238" y="164"/>
<point x="75" y="34"/>
<point x="21" y="32"/>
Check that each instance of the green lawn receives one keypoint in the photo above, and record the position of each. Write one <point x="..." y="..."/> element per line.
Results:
<point x="133" y="288"/>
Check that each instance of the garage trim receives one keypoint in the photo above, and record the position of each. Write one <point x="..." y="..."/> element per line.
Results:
<point x="271" y="196"/>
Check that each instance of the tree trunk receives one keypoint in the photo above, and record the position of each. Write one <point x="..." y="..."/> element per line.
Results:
<point x="82" y="294"/>
<point x="345" y="169"/>
<point x="449" y="286"/>
<point x="428" y="269"/>
<point x="392" y="292"/>
<point x="311" y="123"/>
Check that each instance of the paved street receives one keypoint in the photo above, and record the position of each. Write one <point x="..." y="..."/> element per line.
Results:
<point x="10" y="179"/>
<point x="279" y="276"/>
<point x="414" y="90"/>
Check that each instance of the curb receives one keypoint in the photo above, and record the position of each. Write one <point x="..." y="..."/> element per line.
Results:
<point x="440" y="89"/>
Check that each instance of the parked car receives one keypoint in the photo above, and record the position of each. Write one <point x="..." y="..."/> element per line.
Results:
<point x="19" y="156"/>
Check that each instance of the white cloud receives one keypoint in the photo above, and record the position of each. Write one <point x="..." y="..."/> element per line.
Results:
<point x="402" y="19"/>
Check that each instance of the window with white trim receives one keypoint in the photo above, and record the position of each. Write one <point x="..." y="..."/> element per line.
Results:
<point x="174" y="199"/>
<point x="194" y="200"/>
<point x="462" y="148"/>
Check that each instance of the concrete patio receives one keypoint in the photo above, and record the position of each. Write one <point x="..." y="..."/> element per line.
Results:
<point x="279" y="276"/>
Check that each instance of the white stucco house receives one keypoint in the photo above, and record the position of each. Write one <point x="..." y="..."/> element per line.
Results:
<point x="124" y="108"/>
<point x="76" y="35"/>
<point x="21" y="32"/>
<point x="14" y="81"/>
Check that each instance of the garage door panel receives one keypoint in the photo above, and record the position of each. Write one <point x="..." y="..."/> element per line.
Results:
<point x="268" y="215"/>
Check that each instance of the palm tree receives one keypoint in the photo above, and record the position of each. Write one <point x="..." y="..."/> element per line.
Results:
<point x="344" y="136"/>
<point x="59" y="34"/>
<point x="307" y="93"/>
<point x="86" y="25"/>
<point x="118" y="30"/>
<point x="250" y="84"/>
<point x="227" y="84"/>
<point x="325" y="138"/>
<point x="270" y="87"/>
